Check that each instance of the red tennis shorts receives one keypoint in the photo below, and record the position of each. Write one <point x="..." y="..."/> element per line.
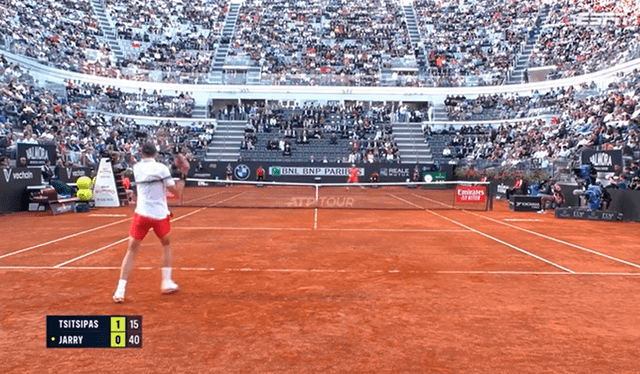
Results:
<point x="353" y="179"/>
<point x="140" y="226"/>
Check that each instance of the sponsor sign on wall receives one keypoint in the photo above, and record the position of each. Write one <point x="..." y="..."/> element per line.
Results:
<point x="603" y="161"/>
<point x="37" y="154"/>
<point x="71" y="175"/>
<point x="471" y="194"/>
<point x="13" y="187"/>
<point x="279" y="171"/>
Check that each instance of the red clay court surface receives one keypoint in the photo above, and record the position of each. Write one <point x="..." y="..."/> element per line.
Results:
<point x="332" y="291"/>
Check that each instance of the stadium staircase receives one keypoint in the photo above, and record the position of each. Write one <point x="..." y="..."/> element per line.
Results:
<point x="225" y="145"/>
<point x="414" y="34"/>
<point x="199" y="112"/>
<point x="440" y="113"/>
<point x="411" y="143"/>
<point x="522" y="61"/>
<point x="216" y="74"/>
<point x="108" y="30"/>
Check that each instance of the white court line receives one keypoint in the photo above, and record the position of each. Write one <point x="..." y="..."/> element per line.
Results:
<point x="406" y="201"/>
<point x="116" y="242"/>
<point x="307" y="229"/>
<point x="560" y="241"/>
<point x="202" y="198"/>
<point x="434" y="201"/>
<point x="90" y="253"/>
<point x="502" y="242"/>
<point x="393" y="230"/>
<point x="522" y="220"/>
<point x="315" y="219"/>
<point x="337" y="271"/>
<point x="63" y="238"/>
<point x="242" y="228"/>
<point x="107" y="215"/>
<point x="232" y="197"/>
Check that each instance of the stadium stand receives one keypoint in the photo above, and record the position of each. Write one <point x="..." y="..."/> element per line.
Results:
<point x="281" y="42"/>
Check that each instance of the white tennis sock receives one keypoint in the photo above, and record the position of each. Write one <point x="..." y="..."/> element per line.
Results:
<point x="166" y="274"/>
<point x="122" y="284"/>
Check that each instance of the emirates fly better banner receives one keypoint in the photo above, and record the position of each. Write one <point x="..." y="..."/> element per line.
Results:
<point x="471" y="194"/>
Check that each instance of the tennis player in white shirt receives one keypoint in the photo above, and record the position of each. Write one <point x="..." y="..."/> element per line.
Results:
<point x="153" y="179"/>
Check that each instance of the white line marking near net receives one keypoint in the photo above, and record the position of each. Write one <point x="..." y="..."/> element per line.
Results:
<point x="346" y="229"/>
<point x="406" y="201"/>
<point x="116" y="243"/>
<point x="242" y="228"/>
<point x="315" y="219"/>
<point x="334" y="271"/>
<point x="107" y="215"/>
<point x="502" y="242"/>
<point x="434" y="201"/>
<point x="63" y="238"/>
<point x="202" y="198"/>
<point x="230" y="198"/>
<point x="560" y="241"/>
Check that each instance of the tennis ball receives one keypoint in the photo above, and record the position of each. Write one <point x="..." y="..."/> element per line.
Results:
<point x="85" y="195"/>
<point x="83" y="183"/>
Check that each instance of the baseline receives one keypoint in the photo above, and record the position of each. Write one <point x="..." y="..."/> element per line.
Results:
<point x="336" y="271"/>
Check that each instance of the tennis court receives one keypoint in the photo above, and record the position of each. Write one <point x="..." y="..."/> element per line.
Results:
<point x="331" y="291"/>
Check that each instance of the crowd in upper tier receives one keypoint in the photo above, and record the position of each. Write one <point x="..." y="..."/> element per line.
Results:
<point x="339" y="42"/>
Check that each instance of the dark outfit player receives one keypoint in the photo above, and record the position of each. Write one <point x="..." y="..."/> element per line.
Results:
<point x="153" y="180"/>
<point x="556" y="198"/>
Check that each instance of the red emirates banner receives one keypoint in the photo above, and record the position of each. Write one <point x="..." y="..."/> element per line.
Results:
<point x="471" y="194"/>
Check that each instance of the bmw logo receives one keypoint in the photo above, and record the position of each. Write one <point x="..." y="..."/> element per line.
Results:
<point x="242" y="172"/>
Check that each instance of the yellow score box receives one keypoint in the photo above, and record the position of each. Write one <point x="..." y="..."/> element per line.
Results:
<point x="118" y="340"/>
<point x="118" y="324"/>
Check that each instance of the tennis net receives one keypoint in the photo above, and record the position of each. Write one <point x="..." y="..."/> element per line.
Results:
<point x="408" y="195"/>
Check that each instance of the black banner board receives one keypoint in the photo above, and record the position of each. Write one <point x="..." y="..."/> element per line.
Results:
<point x="37" y="154"/>
<point x="523" y="203"/>
<point x="71" y="174"/>
<point x="603" y="161"/>
<point x="585" y="214"/>
<point x="13" y="184"/>
<point x="316" y="172"/>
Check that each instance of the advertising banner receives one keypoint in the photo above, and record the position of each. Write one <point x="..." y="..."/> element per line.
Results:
<point x="603" y="161"/>
<point x="37" y="154"/>
<point x="314" y="172"/>
<point x="71" y="175"/>
<point x="13" y="187"/>
<point x="471" y="194"/>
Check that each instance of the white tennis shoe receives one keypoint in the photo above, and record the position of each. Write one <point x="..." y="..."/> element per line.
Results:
<point x="118" y="297"/>
<point x="168" y="287"/>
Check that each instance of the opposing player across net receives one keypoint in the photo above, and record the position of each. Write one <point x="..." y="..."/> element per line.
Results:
<point x="406" y="195"/>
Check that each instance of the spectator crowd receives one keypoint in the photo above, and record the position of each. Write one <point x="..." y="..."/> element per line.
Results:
<point x="336" y="42"/>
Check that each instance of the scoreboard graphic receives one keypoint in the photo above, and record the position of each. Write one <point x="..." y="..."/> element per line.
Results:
<point x="94" y="331"/>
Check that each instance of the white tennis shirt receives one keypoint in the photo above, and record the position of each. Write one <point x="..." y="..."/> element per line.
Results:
<point x="152" y="198"/>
